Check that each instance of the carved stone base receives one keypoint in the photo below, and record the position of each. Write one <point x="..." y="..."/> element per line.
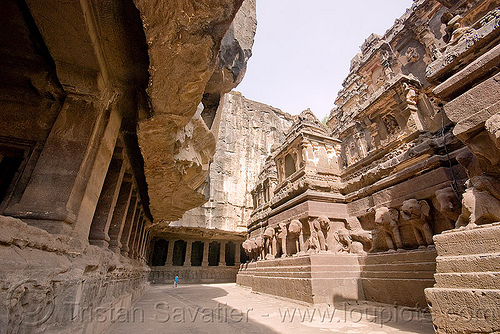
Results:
<point x="398" y="277"/>
<point x="316" y="278"/>
<point x="466" y="297"/>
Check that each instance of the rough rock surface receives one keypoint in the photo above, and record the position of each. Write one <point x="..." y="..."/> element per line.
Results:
<point x="247" y="132"/>
<point x="184" y="39"/>
<point x="49" y="279"/>
<point x="236" y="49"/>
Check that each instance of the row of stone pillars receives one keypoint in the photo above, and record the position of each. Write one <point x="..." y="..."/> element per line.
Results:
<point x="119" y="221"/>
<point x="83" y="182"/>
<point x="229" y="253"/>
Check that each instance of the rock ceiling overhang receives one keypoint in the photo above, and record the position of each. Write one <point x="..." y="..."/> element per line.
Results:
<point x="155" y="59"/>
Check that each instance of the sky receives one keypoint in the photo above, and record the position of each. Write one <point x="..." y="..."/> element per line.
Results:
<point x="303" y="49"/>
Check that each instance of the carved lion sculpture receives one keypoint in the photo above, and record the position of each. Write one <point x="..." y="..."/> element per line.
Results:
<point x="386" y="227"/>
<point x="295" y="231"/>
<point x="417" y="213"/>
<point x="358" y="234"/>
<point x="449" y="205"/>
<point x="344" y="240"/>
<point x="268" y="242"/>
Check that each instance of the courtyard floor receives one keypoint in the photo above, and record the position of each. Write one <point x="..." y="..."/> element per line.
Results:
<point x="228" y="308"/>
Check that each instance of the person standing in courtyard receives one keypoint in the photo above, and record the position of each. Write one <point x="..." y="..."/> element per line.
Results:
<point x="176" y="281"/>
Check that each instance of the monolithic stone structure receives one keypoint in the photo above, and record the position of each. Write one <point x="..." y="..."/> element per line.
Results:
<point x="108" y="112"/>
<point x="247" y="132"/>
<point x="466" y="296"/>
<point x="397" y="186"/>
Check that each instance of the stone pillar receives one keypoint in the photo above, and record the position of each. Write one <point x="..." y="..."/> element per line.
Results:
<point x="140" y="244"/>
<point x="222" y="256"/>
<point x="71" y="169"/>
<point x="129" y="223"/>
<point x="189" y="247"/>
<point x="170" y="253"/>
<point x="118" y="221"/>
<point x="147" y="248"/>
<point x="107" y="201"/>
<point x="135" y="227"/>
<point x="137" y="239"/>
<point x="142" y="251"/>
<point x="237" y="254"/>
<point x="206" y="245"/>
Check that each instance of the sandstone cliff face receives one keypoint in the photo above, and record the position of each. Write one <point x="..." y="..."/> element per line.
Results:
<point x="246" y="134"/>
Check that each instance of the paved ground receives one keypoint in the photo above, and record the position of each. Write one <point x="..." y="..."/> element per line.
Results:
<point x="228" y="308"/>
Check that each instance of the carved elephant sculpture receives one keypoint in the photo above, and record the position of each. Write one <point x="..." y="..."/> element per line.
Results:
<point x="268" y="242"/>
<point x="417" y="213"/>
<point x="250" y="248"/>
<point x="259" y="250"/>
<point x="448" y="204"/>
<point x="295" y="231"/>
<point x="386" y="227"/>
<point x="281" y="237"/>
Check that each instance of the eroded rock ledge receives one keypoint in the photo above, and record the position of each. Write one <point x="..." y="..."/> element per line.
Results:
<point x="184" y="39"/>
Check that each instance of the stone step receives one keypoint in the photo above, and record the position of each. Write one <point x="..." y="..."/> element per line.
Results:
<point x="469" y="310"/>
<point x="399" y="274"/>
<point x="427" y="255"/>
<point x="480" y="240"/>
<point x="336" y="275"/>
<point x="335" y="259"/>
<point x="419" y="266"/>
<point x="481" y="280"/>
<point x="468" y="263"/>
<point x="284" y="274"/>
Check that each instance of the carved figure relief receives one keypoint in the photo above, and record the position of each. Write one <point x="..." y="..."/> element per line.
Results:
<point x="353" y="152"/>
<point x="411" y="94"/>
<point x="392" y="128"/>
<point x="391" y="124"/>
<point x="454" y="29"/>
<point x="417" y="213"/>
<point x="387" y="229"/>
<point x="412" y="55"/>
<point x="318" y="240"/>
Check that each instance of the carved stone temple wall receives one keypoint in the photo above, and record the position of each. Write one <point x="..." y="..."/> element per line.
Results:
<point x="397" y="200"/>
<point x="108" y="119"/>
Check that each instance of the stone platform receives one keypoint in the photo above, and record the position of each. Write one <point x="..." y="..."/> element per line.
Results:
<point x="466" y="297"/>
<point x="315" y="278"/>
<point x="391" y="278"/>
<point x="399" y="277"/>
